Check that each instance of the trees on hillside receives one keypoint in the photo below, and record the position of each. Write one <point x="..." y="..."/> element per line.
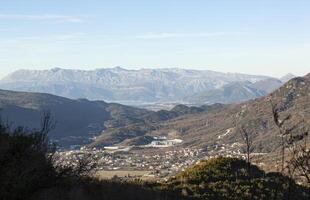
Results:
<point x="25" y="162"/>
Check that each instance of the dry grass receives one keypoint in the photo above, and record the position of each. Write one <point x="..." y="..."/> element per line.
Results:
<point x="105" y="174"/>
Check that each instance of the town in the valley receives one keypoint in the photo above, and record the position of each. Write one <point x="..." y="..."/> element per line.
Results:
<point x="160" y="159"/>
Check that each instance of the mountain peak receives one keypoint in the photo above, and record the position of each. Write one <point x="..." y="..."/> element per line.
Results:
<point x="119" y="68"/>
<point x="56" y="69"/>
<point x="287" y="77"/>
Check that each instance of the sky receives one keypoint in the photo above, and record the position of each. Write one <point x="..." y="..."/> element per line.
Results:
<point x="268" y="37"/>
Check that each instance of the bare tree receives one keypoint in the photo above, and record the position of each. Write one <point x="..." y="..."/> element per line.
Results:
<point x="83" y="165"/>
<point x="248" y="141"/>
<point x="86" y="165"/>
<point x="283" y="132"/>
<point x="302" y="164"/>
<point x="300" y="154"/>
<point x="43" y="142"/>
<point x="47" y="122"/>
<point x="294" y="139"/>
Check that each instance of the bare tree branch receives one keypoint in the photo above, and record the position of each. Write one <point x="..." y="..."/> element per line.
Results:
<point x="248" y="141"/>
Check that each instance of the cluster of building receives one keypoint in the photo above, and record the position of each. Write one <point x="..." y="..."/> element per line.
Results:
<point x="161" y="158"/>
<point x="160" y="143"/>
<point x="160" y="164"/>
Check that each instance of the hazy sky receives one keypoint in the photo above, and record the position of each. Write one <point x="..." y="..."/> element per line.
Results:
<point x="251" y="36"/>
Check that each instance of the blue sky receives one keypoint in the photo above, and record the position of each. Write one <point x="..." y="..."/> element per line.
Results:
<point x="269" y="37"/>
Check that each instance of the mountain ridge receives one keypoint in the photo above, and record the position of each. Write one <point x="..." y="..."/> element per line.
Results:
<point x="121" y="85"/>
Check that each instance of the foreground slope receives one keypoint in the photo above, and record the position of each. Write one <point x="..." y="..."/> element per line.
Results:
<point x="230" y="178"/>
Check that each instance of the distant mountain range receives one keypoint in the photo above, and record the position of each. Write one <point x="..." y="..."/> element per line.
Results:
<point x="235" y="92"/>
<point x="133" y="87"/>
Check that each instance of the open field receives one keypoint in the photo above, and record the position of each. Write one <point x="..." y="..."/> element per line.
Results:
<point x="105" y="174"/>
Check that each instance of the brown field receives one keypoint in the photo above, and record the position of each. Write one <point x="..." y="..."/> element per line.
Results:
<point x="105" y="174"/>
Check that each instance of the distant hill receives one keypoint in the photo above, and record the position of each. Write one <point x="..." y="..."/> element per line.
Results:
<point x="134" y="87"/>
<point x="77" y="120"/>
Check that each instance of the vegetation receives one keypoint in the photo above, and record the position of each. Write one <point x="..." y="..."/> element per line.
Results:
<point x="228" y="178"/>
<point x="27" y="171"/>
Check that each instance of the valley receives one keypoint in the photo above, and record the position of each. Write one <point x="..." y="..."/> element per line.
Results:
<point x="154" y="100"/>
<point x="216" y="132"/>
<point x="163" y="142"/>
